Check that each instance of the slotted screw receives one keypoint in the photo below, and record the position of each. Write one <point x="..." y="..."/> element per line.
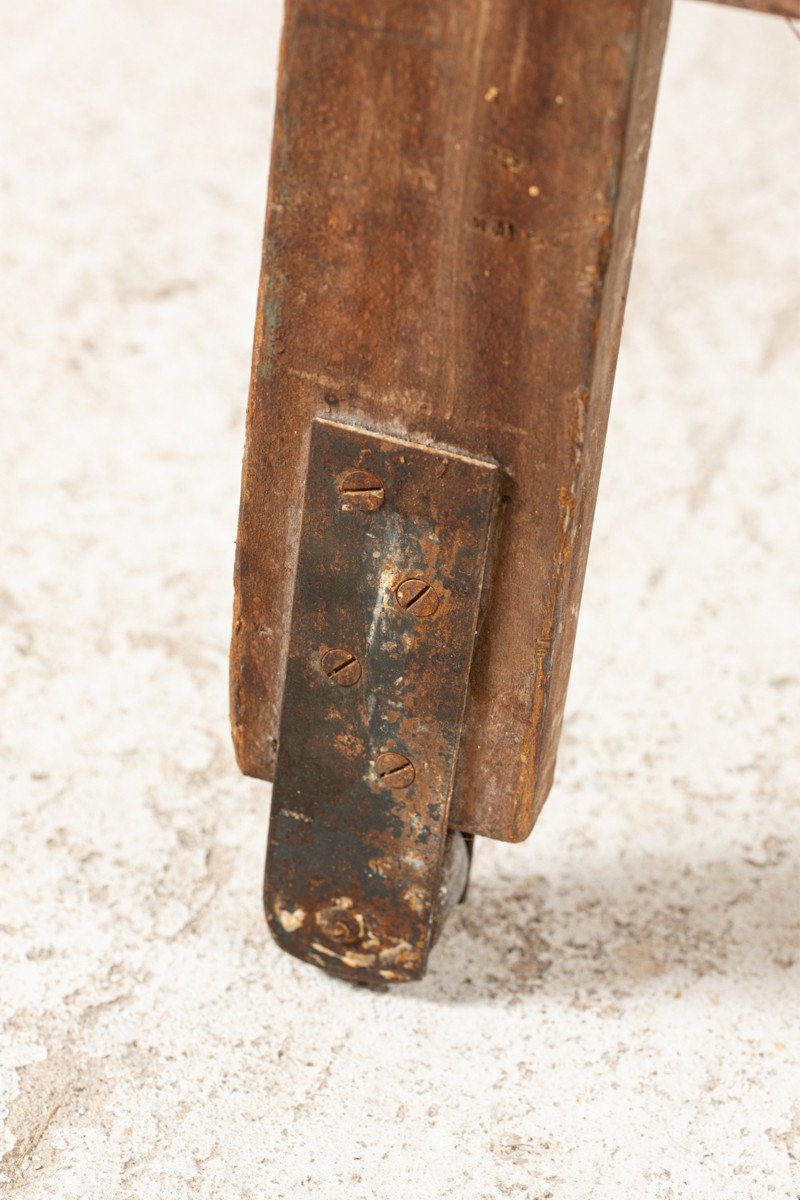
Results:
<point x="362" y="490"/>
<point x="341" y="667"/>
<point x="340" y="925"/>
<point x="417" y="597"/>
<point x="394" y="770"/>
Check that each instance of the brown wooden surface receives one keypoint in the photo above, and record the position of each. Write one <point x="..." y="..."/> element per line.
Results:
<point x="778" y="8"/>
<point x="453" y="203"/>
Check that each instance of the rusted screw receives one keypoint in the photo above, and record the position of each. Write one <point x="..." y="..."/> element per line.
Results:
<point x="341" y="667"/>
<point x="394" y="770"/>
<point x="340" y="925"/>
<point x="362" y="490"/>
<point x="417" y="597"/>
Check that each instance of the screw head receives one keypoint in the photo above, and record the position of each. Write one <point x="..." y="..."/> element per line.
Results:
<point x="340" y="925"/>
<point x="394" y="770"/>
<point x="362" y="490"/>
<point x="341" y="667"/>
<point x="417" y="597"/>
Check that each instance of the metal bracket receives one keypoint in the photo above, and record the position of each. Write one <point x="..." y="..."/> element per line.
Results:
<point x="391" y="566"/>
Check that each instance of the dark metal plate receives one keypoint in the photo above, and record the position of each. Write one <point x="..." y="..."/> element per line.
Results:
<point x="392" y="558"/>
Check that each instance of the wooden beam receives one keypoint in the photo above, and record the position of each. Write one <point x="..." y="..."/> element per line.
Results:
<point x="777" y="8"/>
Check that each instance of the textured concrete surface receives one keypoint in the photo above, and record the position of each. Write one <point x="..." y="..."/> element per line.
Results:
<point x="616" y="1013"/>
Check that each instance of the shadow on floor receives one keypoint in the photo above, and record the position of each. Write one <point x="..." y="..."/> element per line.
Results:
<point x="594" y="936"/>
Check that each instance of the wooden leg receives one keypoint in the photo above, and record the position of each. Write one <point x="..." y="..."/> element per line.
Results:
<point x="453" y="203"/>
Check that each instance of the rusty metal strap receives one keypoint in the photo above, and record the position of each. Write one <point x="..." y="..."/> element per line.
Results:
<point x="391" y="565"/>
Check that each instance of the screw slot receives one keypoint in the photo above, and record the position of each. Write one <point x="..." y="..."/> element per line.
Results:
<point x="341" y="667"/>
<point x="394" y="770"/>
<point x="417" y="597"/>
<point x="362" y="490"/>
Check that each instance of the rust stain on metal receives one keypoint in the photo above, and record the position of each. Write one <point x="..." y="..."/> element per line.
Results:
<point x="364" y="775"/>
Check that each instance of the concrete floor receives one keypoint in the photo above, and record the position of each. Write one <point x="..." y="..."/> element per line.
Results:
<point x="616" y="1013"/>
